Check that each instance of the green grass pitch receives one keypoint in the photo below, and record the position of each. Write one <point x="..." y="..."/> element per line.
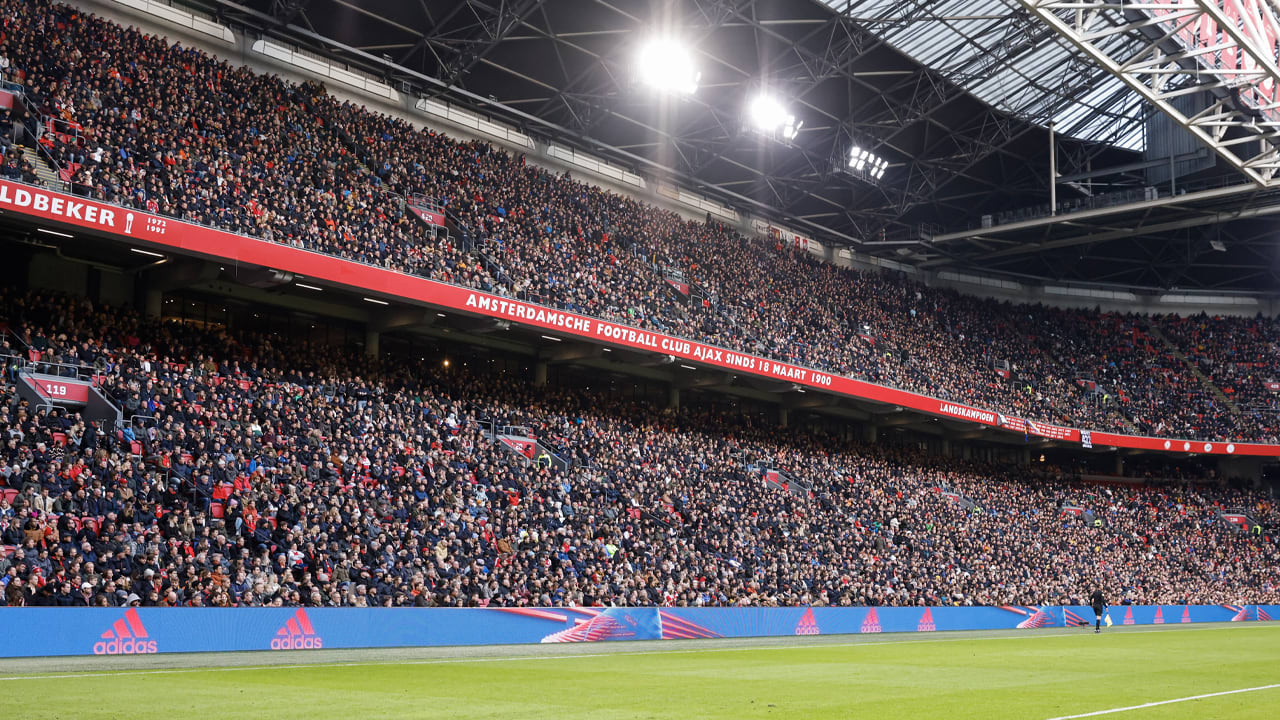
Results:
<point x="1028" y="674"/>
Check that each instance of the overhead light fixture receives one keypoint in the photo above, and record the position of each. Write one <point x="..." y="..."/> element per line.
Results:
<point x="552" y="339"/>
<point x="55" y="233"/>
<point x="866" y="163"/>
<point x="148" y="253"/>
<point x="666" y="65"/>
<point x="312" y="287"/>
<point x="376" y="301"/>
<point x="770" y="118"/>
<point x="688" y="367"/>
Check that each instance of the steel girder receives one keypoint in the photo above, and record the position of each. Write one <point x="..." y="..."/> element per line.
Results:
<point x="1187" y="47"/>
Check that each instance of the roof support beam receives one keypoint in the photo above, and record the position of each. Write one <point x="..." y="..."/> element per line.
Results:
<point x="1176" y="59"/>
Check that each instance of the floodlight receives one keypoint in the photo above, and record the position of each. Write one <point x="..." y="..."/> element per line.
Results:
<point x="771" y="118"/>
<point x="767" y="113"/>
<point x="867" y="163"/>
<point x="666" y="65"/>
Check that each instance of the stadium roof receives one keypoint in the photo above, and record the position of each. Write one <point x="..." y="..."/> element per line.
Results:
<point x="954" y="94"/>
<point x="993" y="49"/>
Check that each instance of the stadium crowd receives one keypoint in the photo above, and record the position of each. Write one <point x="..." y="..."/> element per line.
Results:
<point x="260" y="470"/>
<point x="139" y="120"/>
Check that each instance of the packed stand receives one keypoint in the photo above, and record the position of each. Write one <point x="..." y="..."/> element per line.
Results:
<point x="1241" y="356"/>
<point x="268" y="471"/>
<point x="144" y="122"/>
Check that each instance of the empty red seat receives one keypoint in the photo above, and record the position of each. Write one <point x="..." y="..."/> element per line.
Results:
<point x="216" y="510"/>
<point x="60" y="439"/>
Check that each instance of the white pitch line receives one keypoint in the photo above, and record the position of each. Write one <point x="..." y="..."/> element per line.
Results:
<point x="1166" y="702"/>
<point x="320" y="664"/>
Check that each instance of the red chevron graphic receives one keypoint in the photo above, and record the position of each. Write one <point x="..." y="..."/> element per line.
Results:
<point x="807" y="625"/>
<point x="871" y="623"/>
<point x="926" y="622"/>
<point x="127" y="636"/>
<point x="297" y="634"/>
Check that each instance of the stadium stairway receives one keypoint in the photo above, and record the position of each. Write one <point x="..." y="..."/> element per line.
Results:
<point x="49" y="176"/>
<point x="781" y="480"/>
<point x="522" y="443"/>
<point x="1204" y="380"/>
<point x="1241" y="519"/>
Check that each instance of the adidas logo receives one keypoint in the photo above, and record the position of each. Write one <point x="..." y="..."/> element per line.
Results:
<point x="297" y="634"/>
<point x="926" y="623"/>
<point x="807" y="625"/>
<point x="128" y="636"/>
<point x="871" y="623"/>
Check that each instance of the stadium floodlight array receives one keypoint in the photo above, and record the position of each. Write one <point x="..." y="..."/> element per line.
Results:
<point x="770" y="118"/>
<point x="666" y="65"/>
<point x="867" y="163"/>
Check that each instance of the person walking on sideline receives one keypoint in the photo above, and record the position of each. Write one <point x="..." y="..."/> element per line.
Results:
<point x="1099" y="607"/>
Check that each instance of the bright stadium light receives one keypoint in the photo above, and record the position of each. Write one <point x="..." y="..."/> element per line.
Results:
<point x="866" y="163"/>
<point x="771" y="118"/>
<point x="666" y="65"/>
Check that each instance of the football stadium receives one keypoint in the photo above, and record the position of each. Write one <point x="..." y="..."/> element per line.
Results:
<point x="640" y="358"/>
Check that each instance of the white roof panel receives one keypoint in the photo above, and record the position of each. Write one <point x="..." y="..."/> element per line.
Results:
<point x="1007" y="60"/>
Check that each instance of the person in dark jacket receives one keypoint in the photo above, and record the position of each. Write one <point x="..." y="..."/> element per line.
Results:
<point x="1099" y="607"/>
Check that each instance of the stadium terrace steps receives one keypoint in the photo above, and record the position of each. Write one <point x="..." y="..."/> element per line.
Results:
<point x="531" y="451"/>
<point x="781" y="480"/>
<point x="1239" y="518"/>
<point x="42" y="389"/>
<point x="49" y="177"/>
<point x="1214" y="390"/>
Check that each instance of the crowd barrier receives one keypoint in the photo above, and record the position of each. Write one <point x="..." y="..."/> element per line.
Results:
<point x="31" y="632"/>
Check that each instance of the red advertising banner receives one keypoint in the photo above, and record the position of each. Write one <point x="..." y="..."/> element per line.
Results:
<point x="1272" y="386"/>
<point x="175" y="235"/>
<point x="1053" y="432"/>
<point x="60" y="390"/>
<point x="1015" y="424"/>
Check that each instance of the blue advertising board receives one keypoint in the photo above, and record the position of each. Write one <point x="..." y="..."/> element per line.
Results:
<point x="120" y="631"/>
